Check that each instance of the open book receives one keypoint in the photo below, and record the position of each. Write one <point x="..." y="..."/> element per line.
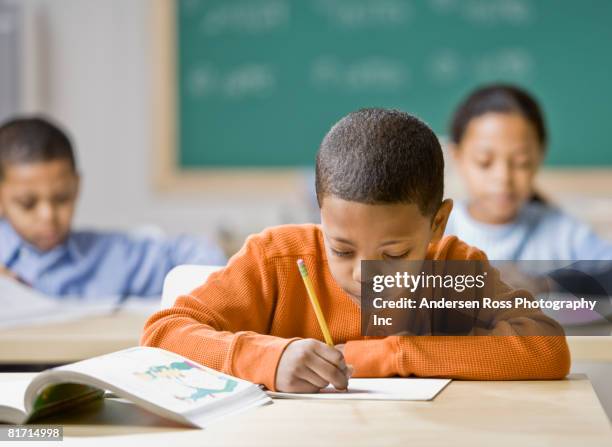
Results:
<point x="161" y="382"/>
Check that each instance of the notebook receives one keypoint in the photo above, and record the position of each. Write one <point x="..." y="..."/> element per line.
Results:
<point x="395" y="388"/>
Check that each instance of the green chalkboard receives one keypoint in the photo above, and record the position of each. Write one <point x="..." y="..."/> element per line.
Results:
<point x="261" y="81"/>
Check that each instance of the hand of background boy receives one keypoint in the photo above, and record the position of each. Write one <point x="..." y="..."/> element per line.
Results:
<point x="6" y="272"/>
<point x="309" y="365"/>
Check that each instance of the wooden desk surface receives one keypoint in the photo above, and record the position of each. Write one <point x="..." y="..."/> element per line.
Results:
<point x="559" y="413"/>
<point x="77" y="340"/>
<point x="71" y="341"/>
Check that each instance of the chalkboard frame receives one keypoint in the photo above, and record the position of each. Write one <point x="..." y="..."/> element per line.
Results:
<point x="169" y="176"/>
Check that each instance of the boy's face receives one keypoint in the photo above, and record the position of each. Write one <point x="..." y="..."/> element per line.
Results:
<point x="38" y="200"/>
<point x="355" y="232"/>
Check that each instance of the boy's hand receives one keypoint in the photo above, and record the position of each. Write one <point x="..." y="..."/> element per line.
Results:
<point x="6" y="272"/>
<point x="308" y="365"/>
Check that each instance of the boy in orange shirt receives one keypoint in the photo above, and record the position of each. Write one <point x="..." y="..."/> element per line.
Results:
<point x="379" y="182"/>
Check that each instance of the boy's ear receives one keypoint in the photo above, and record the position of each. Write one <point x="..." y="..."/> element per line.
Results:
<point x="78" y="184"/>
<point x="440" y="219"/>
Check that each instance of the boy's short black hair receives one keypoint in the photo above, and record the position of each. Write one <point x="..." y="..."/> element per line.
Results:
<point x="378" y="156"/>
<point x="28" y="140"/>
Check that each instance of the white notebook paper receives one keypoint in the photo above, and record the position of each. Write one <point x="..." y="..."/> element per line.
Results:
<point x="395" y="388"/>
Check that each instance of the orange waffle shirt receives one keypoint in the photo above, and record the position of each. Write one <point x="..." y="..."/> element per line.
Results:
<point x="241" y="320"/>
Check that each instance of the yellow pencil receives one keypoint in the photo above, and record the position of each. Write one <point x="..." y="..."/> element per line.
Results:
<point x="315" y="303"/>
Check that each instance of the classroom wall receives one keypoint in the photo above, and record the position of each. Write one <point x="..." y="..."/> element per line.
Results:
<point x="9" y="50"/>
<point x="89" y="64"/>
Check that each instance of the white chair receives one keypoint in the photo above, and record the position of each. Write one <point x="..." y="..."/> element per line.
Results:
<point x="182" y="279"/>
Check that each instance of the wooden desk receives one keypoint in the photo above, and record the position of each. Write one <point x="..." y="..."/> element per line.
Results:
<point x="559" y="413"/>
<point x="71" y="341"/>
<point x="77" y="340"/>
<point x="591" y="349"/>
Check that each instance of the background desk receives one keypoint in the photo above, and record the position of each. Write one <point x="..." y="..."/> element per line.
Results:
<point x="71" y="341"/>
<point x="559" y="413"/>
<point x="88" y="337"/>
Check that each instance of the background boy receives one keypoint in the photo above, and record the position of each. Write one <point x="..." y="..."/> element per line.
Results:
<point x="39" y="185"/>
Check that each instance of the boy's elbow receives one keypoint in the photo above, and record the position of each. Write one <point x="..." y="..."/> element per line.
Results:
<point x="171" y="328"/>
<point x="155" y="330"/>
<point x="553" y="358"/>
<point x="148" y="338"/>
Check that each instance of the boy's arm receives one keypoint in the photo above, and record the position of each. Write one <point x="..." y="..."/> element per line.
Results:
<point x="148" y="260"/>
<point x="461" y="357"/>
<point x="220" y="324"/>
<point x="198" y="250"/>
<point x="520" y="345"/>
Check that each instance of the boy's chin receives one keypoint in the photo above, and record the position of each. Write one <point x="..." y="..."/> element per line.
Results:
<point x="48" y="244"/>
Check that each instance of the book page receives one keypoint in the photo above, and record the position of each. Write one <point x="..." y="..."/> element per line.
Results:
<point x="12" y="394"/>
<point x="160" y="377"/>
<point x="395" y="388"/>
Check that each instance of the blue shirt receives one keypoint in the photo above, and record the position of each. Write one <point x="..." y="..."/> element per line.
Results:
<point x="96" y="264"/>
<point x="539" y="232"/>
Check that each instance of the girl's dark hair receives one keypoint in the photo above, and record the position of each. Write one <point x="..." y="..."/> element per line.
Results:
<point x="502" y="98"/>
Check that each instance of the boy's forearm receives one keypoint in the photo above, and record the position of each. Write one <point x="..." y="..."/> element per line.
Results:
<point x="466" y="357"/>
<point x="375" y="357"/>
